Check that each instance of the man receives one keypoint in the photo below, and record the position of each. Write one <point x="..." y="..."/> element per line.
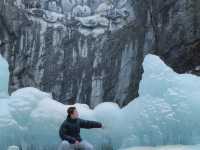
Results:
<point x="70" y="131"/>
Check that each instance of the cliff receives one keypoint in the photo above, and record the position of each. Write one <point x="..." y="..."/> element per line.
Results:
<point x="92" y="51"/>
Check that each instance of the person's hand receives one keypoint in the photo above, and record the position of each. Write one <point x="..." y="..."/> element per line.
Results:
<point x="77" y="142"/>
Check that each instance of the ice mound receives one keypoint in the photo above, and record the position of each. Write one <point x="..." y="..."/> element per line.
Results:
<point x="165" y="113"/>
<point x="167" y="109"/>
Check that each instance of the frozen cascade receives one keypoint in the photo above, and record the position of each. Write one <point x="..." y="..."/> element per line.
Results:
<point x="165" y="113"/>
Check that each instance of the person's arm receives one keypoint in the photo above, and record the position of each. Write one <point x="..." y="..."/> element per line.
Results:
<point x="89" y="124"/>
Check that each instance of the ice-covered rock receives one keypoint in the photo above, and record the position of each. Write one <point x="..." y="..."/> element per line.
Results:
<point x="68" y="5"/>
<point x="104" y="8"/>
<point x="93" y="21"/>
<point x="45" y="35"/>
<point x="37" y="44"/>
<point x="81" y="11"/>
<point x="18" y="3"/>
<point x="53" y="6"/>
<point x="121" y="3"/>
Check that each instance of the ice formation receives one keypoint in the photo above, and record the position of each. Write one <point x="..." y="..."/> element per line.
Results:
<point x="4" y="75"/>
<point x="81" y="11"/>
<point x="179" y="147"/>
<point x="165" y="113"/>
<point x="13" y="148"/>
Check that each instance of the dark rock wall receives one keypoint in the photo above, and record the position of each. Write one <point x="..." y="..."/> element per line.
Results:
<point x="92" y="51"/>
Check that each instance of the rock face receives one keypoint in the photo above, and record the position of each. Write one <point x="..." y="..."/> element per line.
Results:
<point x="92" y="51"/>
<point x="176" y="28"/>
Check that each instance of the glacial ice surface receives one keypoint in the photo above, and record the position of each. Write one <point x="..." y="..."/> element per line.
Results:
<point x="165" y="113"/>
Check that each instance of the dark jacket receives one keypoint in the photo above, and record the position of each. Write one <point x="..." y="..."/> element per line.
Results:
<point x="70" y="128"/>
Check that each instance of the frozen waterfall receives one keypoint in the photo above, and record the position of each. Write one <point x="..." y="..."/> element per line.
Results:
<point x="165" y="113"/>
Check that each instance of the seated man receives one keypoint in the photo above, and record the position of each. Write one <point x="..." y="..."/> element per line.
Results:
<point x="70" y="131"/>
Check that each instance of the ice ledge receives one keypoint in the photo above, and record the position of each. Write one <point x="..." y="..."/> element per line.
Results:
<point x="93" y="25"/>
<point x="13" y="148"/>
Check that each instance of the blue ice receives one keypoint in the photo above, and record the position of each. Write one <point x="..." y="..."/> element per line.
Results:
<point x="166" y="113"/>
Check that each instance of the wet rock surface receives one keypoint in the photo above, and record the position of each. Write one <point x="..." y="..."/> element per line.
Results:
<point x="92" y="51"/>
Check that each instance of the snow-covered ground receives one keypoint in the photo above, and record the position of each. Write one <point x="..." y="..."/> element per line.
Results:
<point x="178" y="147"/>
<point x="165" y="113"/>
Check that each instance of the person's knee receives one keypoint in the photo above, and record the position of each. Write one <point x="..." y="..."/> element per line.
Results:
<point x="88" y="146"/>
<point x="64" y="145"/>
